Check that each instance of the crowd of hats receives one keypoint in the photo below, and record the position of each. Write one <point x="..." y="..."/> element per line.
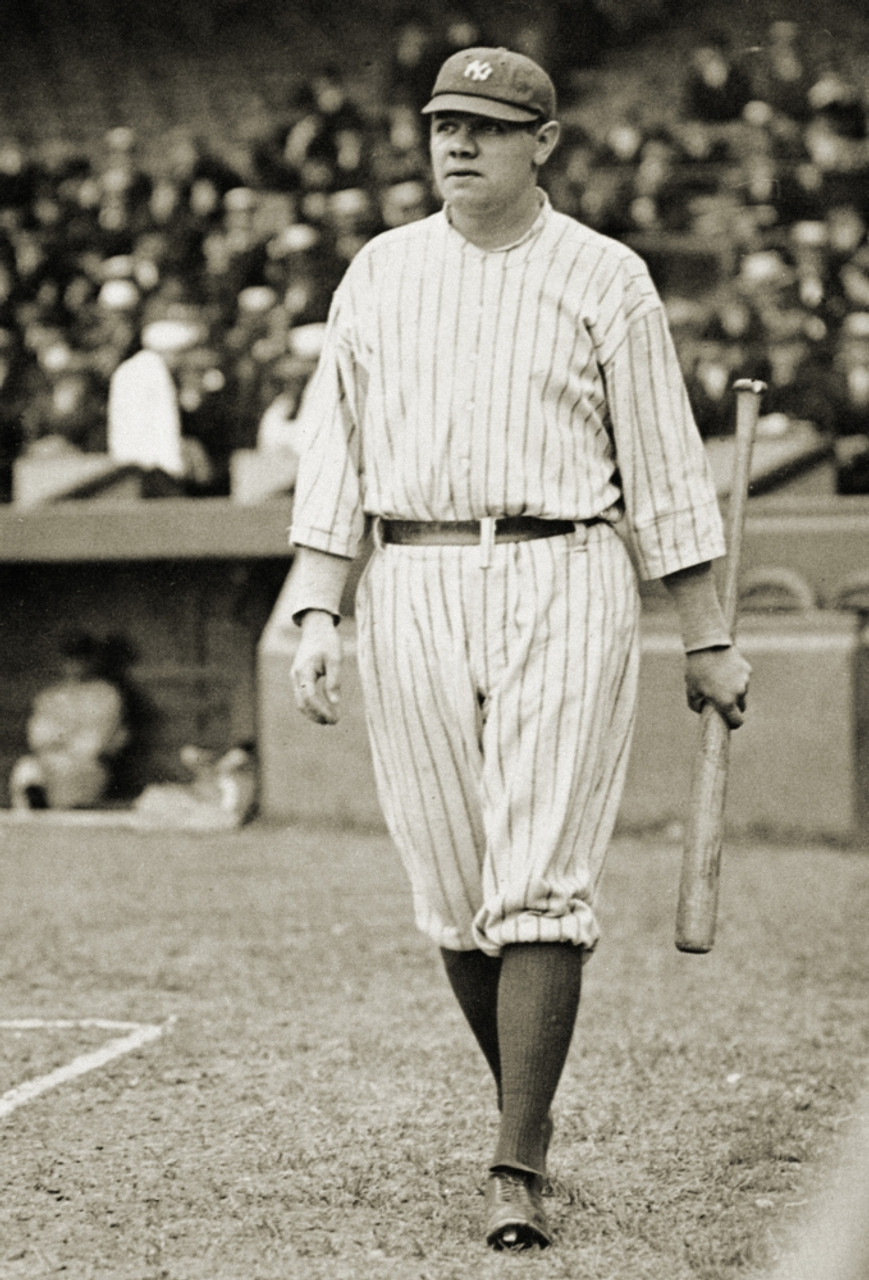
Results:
<point x="228" y="267"/>
<point x="751" y="203"/>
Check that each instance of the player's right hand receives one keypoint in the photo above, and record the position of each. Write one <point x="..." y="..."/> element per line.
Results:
<point x="316" y="671"/>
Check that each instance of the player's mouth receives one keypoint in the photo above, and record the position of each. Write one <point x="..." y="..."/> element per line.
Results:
<point x="463" y="173"/>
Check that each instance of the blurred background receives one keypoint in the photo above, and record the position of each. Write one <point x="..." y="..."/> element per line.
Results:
<point x="209" y="167"/>
<point x="183" y="183"/>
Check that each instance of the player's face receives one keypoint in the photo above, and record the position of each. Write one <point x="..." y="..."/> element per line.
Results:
<point x="483" y="163"/>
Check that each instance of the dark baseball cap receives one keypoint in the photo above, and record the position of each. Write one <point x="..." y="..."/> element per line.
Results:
<point x="496" y="83"/>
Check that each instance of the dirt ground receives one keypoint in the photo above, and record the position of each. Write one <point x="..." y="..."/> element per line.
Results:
<point x="314" y="1106"/>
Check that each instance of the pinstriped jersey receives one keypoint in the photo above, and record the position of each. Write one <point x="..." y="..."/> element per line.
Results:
<point x="457" y="383"/>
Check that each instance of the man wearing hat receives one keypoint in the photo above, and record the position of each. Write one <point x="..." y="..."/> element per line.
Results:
<point x="144" y="412"/>
<point x="498" y="393"/>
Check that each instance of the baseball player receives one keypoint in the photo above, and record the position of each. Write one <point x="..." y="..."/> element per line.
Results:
<point x="498" y="392"/>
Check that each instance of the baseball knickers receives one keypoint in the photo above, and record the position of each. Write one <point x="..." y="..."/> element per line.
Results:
<point x="500" y="704"/>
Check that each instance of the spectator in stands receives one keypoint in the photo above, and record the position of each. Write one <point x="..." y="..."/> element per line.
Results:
<point x="836" y="139"/>
<point x="11" y="404"/>
<point x="17" y="177"/>
<point x="351" y="217"/>
<point x="405" y="202"/>
<point x="74" y="409"/>
<point x="574" y="184"/>
<point x="850" y="388"/>
<point x="801" y="385"/>
<point x="203" y="176"/>
<point x="716" y="88"/>
<point x="303" y="270"/>
<point x="422" y="43"/>
<point x="838" y="103"/>
<point x="661" y="195"/>
<point x="809" y="247"/>
<point x="772" y="169"/>
<point x="323" y="146"/>
<point x="234" y="253"/>
<point x="784" y="73"/>
<point x="52" y="362"/>
<point x="254" y="342"/>
<point x="125" y="187"/>
<point x="399" y="153"/>
<point x="846" y="233"/>
<point x="601" y="173"/>
<point x="77" y="193"/>
<point x="709" y="375"/>
<point x="847" y="262"/>
<point x="284" y="385"/>
<point x="414" y="63"/>
<point x="106" y="328"/>
<point x="75" y="729"/>
<point x="146" y="407"/>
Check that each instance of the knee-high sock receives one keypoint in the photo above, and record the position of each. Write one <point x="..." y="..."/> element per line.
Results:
<point x="538" y="1000"/>
<point x="473" y="976"/>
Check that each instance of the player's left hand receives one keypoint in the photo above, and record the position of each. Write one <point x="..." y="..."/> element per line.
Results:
<point x="719" y="676"/>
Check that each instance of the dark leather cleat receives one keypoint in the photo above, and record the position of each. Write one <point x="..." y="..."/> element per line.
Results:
<point x="514" y="1211"/>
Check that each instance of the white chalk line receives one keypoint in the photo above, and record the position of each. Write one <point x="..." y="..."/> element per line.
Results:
<point x="138" y="1034"/>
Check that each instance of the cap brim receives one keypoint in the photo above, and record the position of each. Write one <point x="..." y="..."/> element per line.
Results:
<point x="474" y="104"/>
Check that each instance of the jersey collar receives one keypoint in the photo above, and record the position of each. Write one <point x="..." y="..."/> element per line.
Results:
<point x="531" y="234"/>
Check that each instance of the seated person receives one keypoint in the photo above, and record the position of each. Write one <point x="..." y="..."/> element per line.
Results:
<point x="75" y="729"/>
<point x="144" y="411"/>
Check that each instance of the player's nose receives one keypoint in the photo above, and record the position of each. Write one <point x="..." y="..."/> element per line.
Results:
<point x="463" y="141"/>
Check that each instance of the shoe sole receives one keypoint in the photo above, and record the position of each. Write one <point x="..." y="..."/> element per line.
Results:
<point x="517" y="1236"/>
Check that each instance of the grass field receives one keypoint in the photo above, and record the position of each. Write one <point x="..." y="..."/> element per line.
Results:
<point x="315" y="1106"/>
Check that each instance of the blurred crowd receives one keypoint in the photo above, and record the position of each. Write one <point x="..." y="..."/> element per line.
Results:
<point x="751" y="203"/>
<point x="750" y="200"/>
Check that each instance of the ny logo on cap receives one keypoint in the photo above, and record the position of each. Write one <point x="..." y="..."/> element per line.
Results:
<point x="478" y="70"/>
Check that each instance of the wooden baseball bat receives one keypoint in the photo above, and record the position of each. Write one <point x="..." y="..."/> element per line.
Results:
<point x="701" y="854"/>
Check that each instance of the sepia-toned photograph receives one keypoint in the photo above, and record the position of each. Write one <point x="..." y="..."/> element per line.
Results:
<point x="434" y="621"/>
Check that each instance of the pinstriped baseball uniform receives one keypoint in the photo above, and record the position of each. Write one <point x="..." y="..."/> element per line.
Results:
<point x="458" y="383"/>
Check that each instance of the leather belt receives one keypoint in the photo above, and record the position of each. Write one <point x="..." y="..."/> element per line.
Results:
<point x="467" y="532"/>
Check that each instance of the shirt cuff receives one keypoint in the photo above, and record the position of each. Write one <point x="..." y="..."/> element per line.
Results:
<point x="343" y="543"/>
<point x="678" y="540"/>
<point x="314" y="583"/>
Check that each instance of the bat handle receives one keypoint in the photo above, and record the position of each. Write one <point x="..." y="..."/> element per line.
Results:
<point x="748" y="393"/>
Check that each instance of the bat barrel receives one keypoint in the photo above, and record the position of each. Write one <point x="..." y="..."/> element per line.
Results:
<point x="698" y="887"/>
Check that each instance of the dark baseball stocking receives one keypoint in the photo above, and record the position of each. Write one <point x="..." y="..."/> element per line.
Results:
<point x="473" y="977"/>
<point x="538" y="1000"/>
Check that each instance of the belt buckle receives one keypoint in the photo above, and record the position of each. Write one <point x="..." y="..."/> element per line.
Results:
<point x="487" y="540"/>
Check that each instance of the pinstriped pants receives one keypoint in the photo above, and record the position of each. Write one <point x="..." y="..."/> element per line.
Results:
<point x="500" y="704"/>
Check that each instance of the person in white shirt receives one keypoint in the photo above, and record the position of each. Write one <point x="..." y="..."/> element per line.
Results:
<point x="144" y="416"/>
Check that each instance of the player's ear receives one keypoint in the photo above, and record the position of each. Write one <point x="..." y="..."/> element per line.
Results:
<point x="545" y="140"/>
